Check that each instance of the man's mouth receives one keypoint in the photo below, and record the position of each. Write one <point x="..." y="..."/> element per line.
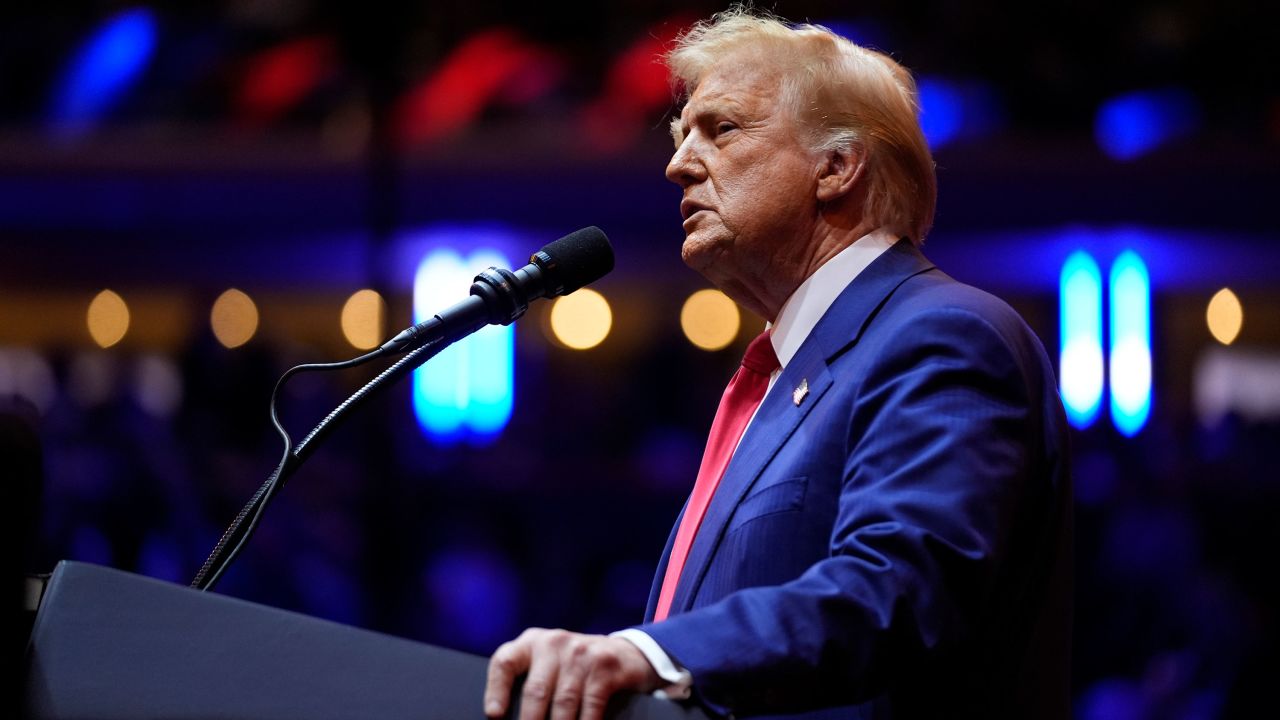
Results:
<point x="689" y="207"/>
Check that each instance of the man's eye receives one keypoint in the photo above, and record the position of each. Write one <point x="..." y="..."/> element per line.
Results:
<point x="724" y="127"/>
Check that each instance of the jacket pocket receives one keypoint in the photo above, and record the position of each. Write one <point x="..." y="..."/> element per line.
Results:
<point x="779" y="497"/>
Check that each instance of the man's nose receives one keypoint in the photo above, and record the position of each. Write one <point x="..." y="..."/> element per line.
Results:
<point x="686" y="166"/>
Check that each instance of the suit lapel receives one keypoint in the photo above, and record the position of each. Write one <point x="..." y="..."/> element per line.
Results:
<point x="776" y="419"/>
<point x="842" y="324"/>
<point x="781" y="412"/>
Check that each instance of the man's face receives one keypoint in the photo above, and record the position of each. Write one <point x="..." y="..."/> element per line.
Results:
<point x="749" y="182"/>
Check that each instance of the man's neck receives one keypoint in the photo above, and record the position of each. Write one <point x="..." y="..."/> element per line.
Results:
<point x="811" y="300"/>
<point x="830" y="239"/>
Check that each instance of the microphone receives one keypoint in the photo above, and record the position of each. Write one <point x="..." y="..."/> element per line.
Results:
<point x="500" y="297"/>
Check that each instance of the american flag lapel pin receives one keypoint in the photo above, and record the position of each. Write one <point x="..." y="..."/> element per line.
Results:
<point x="802" y="390"/>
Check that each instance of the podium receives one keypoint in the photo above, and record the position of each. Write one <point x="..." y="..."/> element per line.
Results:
<point x="108" y="644"/>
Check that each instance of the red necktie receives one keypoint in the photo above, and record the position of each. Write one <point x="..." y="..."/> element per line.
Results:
<point x="738" y="404"/>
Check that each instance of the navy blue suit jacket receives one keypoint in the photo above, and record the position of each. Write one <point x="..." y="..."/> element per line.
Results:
<point x="894" y="543"/>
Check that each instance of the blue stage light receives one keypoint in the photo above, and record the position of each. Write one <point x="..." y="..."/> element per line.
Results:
<point x="941" y="111"/>
<point x="952" y="109"/>
<point x="1080" y="363"/>
<point x="104" y="68"/>
<point x="1130" y="362"/>
<point x="467" y="391"/>
<point x="1134" y="124"/>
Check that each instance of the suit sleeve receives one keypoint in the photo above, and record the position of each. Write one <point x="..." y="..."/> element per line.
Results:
<point x="937" y="466"/>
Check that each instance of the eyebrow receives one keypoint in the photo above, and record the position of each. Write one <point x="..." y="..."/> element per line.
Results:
<point x="718" y="105"/>
<point x="677" y="130"/>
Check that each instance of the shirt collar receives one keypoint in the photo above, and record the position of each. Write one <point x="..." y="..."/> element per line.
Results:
<point x="806" y="306"/>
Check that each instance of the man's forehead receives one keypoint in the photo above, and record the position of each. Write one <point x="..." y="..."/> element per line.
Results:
<point x="711" y="101"/>
<point x="731" y="87"/>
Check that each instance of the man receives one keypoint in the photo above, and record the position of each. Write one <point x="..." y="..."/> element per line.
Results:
<point x="890" y="536"/>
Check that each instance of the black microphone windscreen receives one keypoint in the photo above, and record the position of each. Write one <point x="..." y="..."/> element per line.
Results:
<point x="581" y="257"/>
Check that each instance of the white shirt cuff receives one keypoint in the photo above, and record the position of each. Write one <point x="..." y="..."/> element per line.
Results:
<point x="680" y="681"/>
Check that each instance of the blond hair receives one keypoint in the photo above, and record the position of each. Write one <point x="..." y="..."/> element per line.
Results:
<point x="845" y="95"/>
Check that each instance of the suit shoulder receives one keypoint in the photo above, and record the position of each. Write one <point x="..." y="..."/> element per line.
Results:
<point x="936" y="289"/>
<point x="938" y="302"/>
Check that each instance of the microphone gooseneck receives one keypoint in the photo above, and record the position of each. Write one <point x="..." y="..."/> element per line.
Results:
<point x="500" y="297"/>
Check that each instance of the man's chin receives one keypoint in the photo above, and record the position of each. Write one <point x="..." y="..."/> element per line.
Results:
<point x="707" y="262"/>
<point x="699" y="253"/>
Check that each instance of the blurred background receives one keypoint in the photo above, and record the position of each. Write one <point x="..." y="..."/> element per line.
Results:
<point x="195" y="197"/>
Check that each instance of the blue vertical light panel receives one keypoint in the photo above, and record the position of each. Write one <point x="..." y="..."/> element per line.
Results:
<point x="1130" y="363"/>
<point x="1080" y="320"/>
<point x="466" y="392"/>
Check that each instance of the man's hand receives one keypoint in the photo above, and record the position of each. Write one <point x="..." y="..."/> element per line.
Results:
<point x="573" y="675"/>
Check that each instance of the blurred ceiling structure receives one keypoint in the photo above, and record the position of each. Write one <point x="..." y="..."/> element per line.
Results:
<point x="274" y="129"/>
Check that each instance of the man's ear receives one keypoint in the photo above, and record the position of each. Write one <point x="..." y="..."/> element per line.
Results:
<point x="839" y="172"/>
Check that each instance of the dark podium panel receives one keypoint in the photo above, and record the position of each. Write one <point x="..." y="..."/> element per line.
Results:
<point x="109" y="644"/>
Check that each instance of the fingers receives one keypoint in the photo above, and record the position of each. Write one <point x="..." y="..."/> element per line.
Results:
<point x="615" y="665"/>
<point x="540" y="685"/>
<point x="571" y="675"/>
<point x="573" y="658"/>
<point x="603" y="680"/>
<point x="509" y="661"/>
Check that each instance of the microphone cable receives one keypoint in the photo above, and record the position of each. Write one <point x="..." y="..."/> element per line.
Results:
<point x="220" y="557"/>
<point x="497" y="297"/>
